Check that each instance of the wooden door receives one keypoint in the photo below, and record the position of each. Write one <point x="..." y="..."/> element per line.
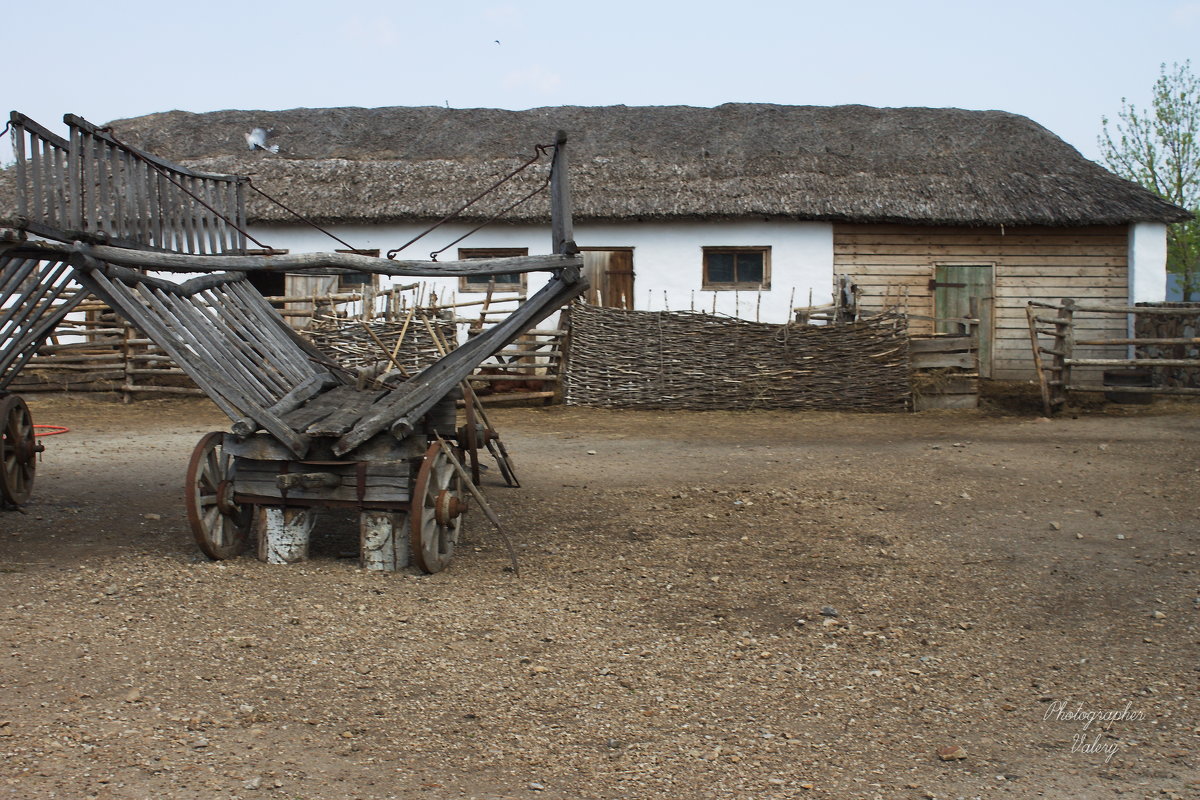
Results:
<point x="610" y="275"/>
<point x="298" y="285"/>
<point x="962" y="291"/>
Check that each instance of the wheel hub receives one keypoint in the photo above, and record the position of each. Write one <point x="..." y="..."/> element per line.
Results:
<point x="448" y="507"/>
<point x="225" y="502"/>
<point x="27" y="449"/>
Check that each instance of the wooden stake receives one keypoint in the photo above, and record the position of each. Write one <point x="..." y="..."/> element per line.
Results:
<point x="483" y="503"/>
<point x="403" y="331"/>
<point x="383" y="347"/>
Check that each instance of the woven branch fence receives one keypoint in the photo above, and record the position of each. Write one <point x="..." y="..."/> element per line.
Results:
<point x="349" y="342"/>
<point x="684" y="360"/>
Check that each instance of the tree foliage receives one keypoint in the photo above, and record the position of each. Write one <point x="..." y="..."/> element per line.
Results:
<point x="1159" y="148"/>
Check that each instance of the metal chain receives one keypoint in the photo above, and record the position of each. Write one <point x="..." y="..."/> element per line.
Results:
<point x="493" y="218"/>
<point x="299" y="216"/>
<point x="538" y="151"/>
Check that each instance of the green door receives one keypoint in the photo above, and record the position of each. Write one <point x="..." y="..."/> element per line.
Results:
<point x="964" y="291"/>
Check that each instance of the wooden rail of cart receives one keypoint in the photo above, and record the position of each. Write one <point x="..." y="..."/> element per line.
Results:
<point x="306" y="434"/>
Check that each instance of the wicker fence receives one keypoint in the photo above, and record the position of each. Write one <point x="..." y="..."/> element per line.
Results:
<point x="682" y="360"/>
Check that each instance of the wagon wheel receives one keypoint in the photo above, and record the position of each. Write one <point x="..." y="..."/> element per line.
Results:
<point x="18" y="450"/>
<point x="472" y="431"/>
<point x="219" y="525"/>
<point x="490" y="439"/>
<point x="435" y="518"/>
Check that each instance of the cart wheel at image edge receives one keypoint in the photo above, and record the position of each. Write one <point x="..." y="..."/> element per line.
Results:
<point x="18" y="450"/>
<point x="220" y="526"/>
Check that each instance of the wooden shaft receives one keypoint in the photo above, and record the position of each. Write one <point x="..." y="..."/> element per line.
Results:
<point x="1133" y="362"/>
<point x="337" y="263"/>
<point x="1157" y="311"/>
<point x="1184" y="390"/>
<point x="1146" y="341"/>
<point x="483" y="503"/>
<point x="391" y="357"/>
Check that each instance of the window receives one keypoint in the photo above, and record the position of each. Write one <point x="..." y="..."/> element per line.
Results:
<point x="503" y="283"/>
<point x="727" y="268"/>
<point x="357" y="281"/>
<point x="269" y="284"/>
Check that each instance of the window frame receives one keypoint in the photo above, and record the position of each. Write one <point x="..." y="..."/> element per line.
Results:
<point x="736" y="285"/>
<point x="471" y="284"/>
<point x="372" y="278"/>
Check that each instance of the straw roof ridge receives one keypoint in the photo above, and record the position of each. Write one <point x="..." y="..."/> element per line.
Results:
<point x="734" y="161"/>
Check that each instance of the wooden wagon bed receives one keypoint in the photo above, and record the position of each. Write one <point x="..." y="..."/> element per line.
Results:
<point x="306" y="433"/>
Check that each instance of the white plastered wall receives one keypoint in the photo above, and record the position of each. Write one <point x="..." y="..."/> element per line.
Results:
<point x="666" y="258"/>
<point x="1147" y="262"/>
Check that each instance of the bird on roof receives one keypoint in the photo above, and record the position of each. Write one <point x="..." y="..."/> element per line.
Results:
<point x="257" y="140"/>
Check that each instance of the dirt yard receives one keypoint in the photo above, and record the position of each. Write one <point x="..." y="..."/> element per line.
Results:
<point x="1025" y="590"/>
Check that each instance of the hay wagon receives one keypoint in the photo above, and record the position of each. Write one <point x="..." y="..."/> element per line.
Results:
<point x="306" y="434"/>
<point x="36" y="294"/>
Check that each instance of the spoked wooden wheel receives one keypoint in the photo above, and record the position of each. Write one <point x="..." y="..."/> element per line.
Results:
<point x="473" y="436"/>
<point x="219" y="525"/>
<point x="438" y="503"/>
<point x="18" y="450"/>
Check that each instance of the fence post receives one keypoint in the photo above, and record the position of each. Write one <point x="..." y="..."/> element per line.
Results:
<point x="127" y="365"/>
<point x="1066" y="337"/>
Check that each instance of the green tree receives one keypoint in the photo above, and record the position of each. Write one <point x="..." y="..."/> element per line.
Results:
<point x="1159" y="148"/>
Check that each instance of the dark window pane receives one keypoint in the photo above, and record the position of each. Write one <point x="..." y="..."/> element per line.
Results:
<point x="355" y="279"/>
<point x="720" y="267"/>
<point x="749" y="267"/>
<point x="269" y="284"/>
<point x="513" y="279"/>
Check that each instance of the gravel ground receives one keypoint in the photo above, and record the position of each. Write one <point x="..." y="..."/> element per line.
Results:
<point x="716" y="605"/>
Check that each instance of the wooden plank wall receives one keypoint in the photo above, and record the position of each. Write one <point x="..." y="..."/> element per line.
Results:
<point x="894" y="263"/>
<point x="314" y="286"/>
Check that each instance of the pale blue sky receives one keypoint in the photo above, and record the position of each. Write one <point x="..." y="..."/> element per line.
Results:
<point x="1064" y="64"/>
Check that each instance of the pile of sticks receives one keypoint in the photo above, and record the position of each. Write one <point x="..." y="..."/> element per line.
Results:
<point x="408" y="343"/>
<point x="685" y="360"/>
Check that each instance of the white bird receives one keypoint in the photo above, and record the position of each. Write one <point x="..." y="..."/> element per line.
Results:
<point x="257" y="140"/>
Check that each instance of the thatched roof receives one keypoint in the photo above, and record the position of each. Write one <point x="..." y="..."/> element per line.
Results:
<point x="736" y="161"/>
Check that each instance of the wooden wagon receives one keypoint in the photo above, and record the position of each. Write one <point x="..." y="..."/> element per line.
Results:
<point x="36" y="294"/>
<point x="306" y="433"/>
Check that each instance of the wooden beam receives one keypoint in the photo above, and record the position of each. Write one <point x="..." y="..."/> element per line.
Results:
<point x="336" y="263"/>
<point x="561" y="226"/>
<point x="1132" y="362"/>
<point x="1187" y="390"/>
